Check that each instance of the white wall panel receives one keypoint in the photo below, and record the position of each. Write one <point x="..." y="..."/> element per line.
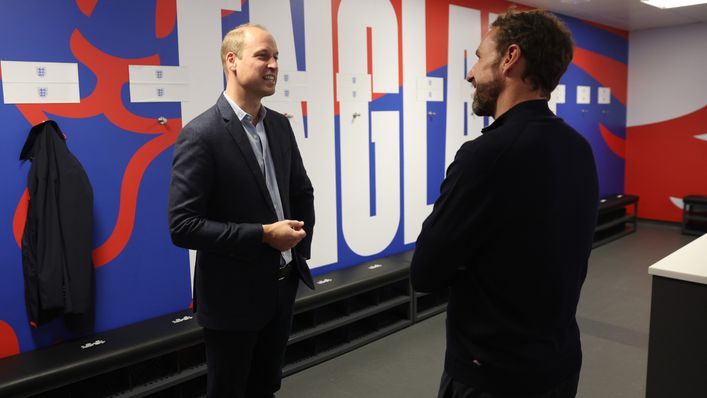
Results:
<point x="666" y="77"/>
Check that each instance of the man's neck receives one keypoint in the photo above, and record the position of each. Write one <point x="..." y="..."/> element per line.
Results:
<point x="250" y="105"/>
<point x="513" y="96"/>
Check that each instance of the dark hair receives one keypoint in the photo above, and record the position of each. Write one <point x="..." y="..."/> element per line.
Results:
<point x="545" y="43"/>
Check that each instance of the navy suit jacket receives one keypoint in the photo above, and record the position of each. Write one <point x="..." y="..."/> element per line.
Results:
<point x="218" y="201"/>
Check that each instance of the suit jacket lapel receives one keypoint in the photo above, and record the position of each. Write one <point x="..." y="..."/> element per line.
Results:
<point x="235" y="129"/>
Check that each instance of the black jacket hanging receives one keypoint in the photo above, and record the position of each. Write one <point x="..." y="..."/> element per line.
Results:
<point x="57" y="239"/>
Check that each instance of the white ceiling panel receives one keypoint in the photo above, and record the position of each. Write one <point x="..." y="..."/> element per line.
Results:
<point x="630" y="15"/>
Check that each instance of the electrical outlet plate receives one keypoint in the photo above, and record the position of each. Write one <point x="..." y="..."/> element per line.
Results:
<point x="604" y="95"/>
<point x="584" y="95"/>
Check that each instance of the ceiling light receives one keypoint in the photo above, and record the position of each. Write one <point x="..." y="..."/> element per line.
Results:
<point x="673" y="3"/>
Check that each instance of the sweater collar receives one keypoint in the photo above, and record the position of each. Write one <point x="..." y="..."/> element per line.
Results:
<point x="532" y="107"/>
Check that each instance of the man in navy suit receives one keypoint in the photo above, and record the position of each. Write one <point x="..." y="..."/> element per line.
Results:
<point x="241" y="197"/>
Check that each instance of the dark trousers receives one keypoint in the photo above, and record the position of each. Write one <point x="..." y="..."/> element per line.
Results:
<point x="450" y="388"/>
<point x="248" y="364"/>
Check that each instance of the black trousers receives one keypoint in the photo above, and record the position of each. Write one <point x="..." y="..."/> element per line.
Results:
<point x="450" y="388"/>
<point x="248" y="364"/>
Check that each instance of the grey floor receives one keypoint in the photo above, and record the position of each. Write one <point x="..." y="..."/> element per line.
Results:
<point x="613" y="316"/>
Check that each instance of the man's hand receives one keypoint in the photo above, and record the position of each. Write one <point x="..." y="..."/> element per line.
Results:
<point x="283" y="235"/>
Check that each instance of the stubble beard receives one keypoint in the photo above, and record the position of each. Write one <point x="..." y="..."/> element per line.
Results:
<point x="486" y="96"/>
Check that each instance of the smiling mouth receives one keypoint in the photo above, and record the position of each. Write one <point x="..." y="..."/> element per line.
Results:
<point x="270" y="78"/>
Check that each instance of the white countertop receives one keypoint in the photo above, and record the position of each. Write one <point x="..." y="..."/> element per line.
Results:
<point x="689" y="263"/>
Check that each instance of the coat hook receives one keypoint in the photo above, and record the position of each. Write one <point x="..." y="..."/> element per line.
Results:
<point x="162" y="120"/>
<point x="287" y="115"/>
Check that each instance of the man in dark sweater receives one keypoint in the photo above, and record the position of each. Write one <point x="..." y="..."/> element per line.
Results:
<point x="511" y="231"/>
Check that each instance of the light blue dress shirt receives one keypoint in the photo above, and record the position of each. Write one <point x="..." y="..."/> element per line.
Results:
<point x="259" y="142"/>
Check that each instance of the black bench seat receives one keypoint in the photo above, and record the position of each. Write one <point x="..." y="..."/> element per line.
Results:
<point x="694" y="215"/>
<point x="617" y="216"/>
<point x="72" y="362"/>
<point x="350" y="307"/>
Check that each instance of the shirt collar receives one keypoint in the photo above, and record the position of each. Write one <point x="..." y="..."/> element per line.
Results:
<point x="532" y="106"/>
<point x="241" y="114"/>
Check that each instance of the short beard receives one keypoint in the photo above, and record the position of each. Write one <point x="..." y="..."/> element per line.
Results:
<point x="486" y="96"/>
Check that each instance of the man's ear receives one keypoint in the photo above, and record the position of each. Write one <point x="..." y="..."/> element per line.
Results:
<point x="511" y="58"/>
<point x="231" y="61"/>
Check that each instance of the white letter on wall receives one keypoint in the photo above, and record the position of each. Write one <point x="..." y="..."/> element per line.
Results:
<point x="318" y="147"/>
<point x="199" y="40"/>
<point x="464" y="36"/>
<point x="368" y="234"/>
<point x="414" y="119"/>
<point x="199" y="25"/>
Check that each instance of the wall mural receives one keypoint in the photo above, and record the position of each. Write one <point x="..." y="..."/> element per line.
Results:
<point x="375" y="92"/>
<point x="667" y="161"/>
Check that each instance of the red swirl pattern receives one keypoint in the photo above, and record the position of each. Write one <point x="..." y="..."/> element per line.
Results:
<point x="111" y="74"/>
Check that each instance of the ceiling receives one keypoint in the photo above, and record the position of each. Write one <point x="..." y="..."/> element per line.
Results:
<point x="628" y="15"/>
